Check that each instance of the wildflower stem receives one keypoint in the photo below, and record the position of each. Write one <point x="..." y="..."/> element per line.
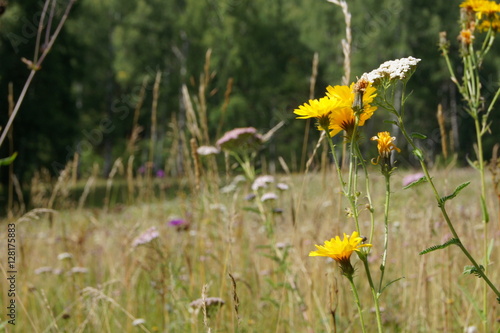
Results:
<point x="335" y="160"/>
<point x="358" y="304"/>
<point x="445" y="213"/>
<point x="374" y="293"/>
<point x="368" y="195"/>
<point x="386" y="228"/>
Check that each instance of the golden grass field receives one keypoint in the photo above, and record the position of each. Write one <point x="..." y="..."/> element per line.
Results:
<point x="78" y="271"/>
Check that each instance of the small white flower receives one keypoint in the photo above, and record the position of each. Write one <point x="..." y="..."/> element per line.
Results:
<point x="81" y="270"/>
<point x="42" y="270"/>
<point x="207" y="150"/>
<point x="268" y="196"/>
<point x="471" y="329"/>
<point x="64" y="255"/>
<point x="138" y="321"/>
<point x="262" y="181"/>
<point x="282" y="186"/>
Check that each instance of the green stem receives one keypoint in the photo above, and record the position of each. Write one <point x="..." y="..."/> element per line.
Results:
<point x="358" y="304"/>
<point x="445" y="213"/>
<point x="374" y="293"/>
<point x="386" y="228"/>
<point x="484" y="210"/>
<point x="335" y="161"/>
<point x="368" y="195"/>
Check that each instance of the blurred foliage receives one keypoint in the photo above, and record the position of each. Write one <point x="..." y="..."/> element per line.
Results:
<point x="84" y="97"/>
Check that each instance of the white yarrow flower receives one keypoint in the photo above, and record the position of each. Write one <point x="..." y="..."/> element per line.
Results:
<point x="398" y="69"/>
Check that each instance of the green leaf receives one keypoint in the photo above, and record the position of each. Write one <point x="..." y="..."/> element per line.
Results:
<point x="484" y="210"/>
<point x="391" y="122"/>
<point x="391" y="282"/>
<point x="416" y="182"/>
<point x="471" y="163"/>
<point x="8" y="160"/>
<point x="417" y="135"/>
<point x="251" y="209"/>
<point x="454" y="194"/>
<point x="472" y="270"/>
<point x="440" y="247"/>
<point x="418" y="153"/>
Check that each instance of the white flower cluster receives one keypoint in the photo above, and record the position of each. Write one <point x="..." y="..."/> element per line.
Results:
<point x="393" y="69"/>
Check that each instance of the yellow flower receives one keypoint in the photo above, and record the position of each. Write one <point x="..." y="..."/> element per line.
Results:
<point x="385" y="144"/>
<point x="345" y="95"/>
<point x="487" y="8"/>
<point x="343" y="117"/>
<point x="317" y="108"/>
<point x="340" y="250"/>
<point x="481" y="7"/>
<point x="494" y="24"/>
<point x="472" y="5"/>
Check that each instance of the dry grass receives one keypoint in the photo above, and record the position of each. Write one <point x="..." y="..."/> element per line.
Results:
<point x="226" y="250"/>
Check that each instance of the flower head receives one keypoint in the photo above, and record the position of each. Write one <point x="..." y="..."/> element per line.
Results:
<point x="351" y="101"/>
<point x="341" y="250"/>
<point x="385" y="144"/>
<point x="472" y="5"/>
<point x="493" y="24"/>
<point x="262" y="182"/>
<point x="488" y="9"/>
<point x="399" y="69"/>
<point x="238" y="139"/>
<point x="207" y="150"/>
<point x="317" y="108"/>
<point x="268" y="196"/>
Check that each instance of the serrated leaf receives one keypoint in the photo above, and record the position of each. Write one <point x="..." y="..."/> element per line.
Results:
<point x="417" y="135"/>
<point x="454" y="194"/>
<point x="440" y="247"/>
<point x="416" y="182"/>
<point x="8" y="160"/>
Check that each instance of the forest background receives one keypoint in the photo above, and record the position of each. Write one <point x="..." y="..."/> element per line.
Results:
<point x="259" y="69"/>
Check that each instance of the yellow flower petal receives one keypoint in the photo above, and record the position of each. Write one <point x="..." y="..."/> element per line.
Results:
<point x="340" y="250"/>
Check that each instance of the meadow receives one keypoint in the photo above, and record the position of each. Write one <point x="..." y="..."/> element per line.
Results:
<point x="202" y="225"/>
<point x="89" y="270"/>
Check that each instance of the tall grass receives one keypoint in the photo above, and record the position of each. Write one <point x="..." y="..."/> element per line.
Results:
<point x="107" y="283"/>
